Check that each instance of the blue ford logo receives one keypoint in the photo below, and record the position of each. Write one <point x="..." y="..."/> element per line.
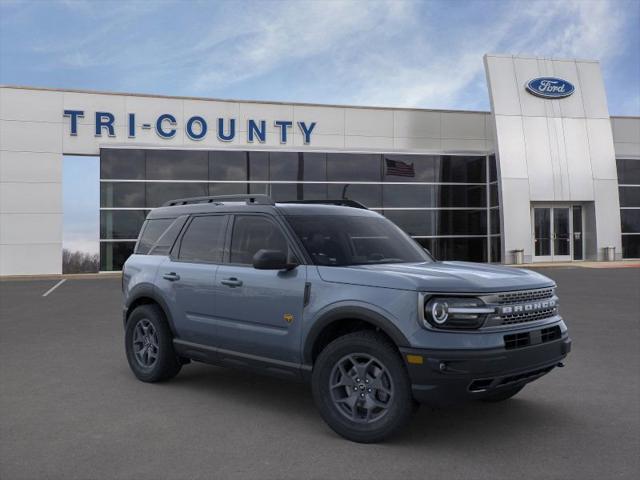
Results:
<point x="550" y="87"/>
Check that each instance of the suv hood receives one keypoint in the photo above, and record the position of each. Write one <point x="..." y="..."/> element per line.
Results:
<point x="450" y="277"/>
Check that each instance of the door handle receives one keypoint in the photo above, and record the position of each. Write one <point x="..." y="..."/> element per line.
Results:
<point x="172" y="276"/>
<point x="231" y="282"/>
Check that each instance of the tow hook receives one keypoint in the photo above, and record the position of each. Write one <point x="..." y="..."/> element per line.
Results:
<point x="560" y="364"/>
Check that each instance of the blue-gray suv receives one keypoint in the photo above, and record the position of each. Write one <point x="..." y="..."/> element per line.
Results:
<point x="336" y="295"/>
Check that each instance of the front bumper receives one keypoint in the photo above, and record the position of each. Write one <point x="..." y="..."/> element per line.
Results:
<point x="450" y="376"/>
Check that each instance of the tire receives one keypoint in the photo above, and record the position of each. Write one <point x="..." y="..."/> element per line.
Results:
<point x="502" y="394"/>
<point x="147" y="331"/>
<point x="368" y="409"/>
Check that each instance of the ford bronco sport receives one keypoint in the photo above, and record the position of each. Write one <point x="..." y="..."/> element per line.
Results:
<point x="337" y="295"/>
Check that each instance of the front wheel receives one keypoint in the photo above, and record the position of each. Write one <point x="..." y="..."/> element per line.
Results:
<point x="361" y="387"/>
<point x="149" y="345"/>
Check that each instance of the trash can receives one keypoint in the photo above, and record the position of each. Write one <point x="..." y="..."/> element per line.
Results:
<point x="518" y="257"/>
<point x="609" y="253"/>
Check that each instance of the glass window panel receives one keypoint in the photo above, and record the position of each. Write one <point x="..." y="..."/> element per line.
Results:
<point x="315" y="167"/>
<point x="203" y="241"/>
<point x="234" y="188"/>
<point x="440" y="222"/>
<point x="493" y="168"/>
<point x="160" y="193"/>
<point x="630" y="221"/>
<point x="410" y="168"/>
<point x="434" y="196"/>
<point x="629" y="196"/>
<point x="630" y="246"/>
<point x="226" y="165"/>
<point x="177" y="165"/>
<point x="125" y="164"/>
<point x="461" y="169"/>
<point x="628" y="171"/>
<point x="494" y="216"/>
<point x="369" y="195"/>
<point x="258" y="166"/>
<point x="129" y="195"/>
<point x="285" y="166"/>
<point x="494" y="199"/>
<point x="363" y="167"/>
<point x="114" y="254"/>
<point x="284" y="192"/>
<point x="399" y="196"/>
<point x="542" y="231"/>
<point x="496" y="251"/>
<point x="252" y="233"/>
<point x="151" y="233"/>
<point x="467" y="249"/>
<point x="121" y="223"/>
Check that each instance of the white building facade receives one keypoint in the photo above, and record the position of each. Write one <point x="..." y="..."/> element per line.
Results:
<point x="546" y="174"/>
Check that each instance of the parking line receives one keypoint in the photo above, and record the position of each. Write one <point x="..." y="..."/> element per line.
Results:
<point x="54" y="287"/>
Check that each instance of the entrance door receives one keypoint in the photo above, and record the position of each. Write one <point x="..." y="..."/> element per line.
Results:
<point x="557" y="233"/>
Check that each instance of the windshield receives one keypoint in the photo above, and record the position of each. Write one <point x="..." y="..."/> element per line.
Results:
<point x="340" y="240"/>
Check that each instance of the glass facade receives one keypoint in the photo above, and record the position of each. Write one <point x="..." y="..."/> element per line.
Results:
<point x="629" y="190"/>
<point x="449" y="203"/>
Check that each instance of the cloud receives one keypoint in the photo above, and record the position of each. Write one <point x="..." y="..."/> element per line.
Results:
<point x="387" y="52"/>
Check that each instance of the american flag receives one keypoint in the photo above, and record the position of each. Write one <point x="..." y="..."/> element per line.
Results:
<point x="399" y="168"/>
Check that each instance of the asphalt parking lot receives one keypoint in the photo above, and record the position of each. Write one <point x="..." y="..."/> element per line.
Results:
<point x="71" y="409"/>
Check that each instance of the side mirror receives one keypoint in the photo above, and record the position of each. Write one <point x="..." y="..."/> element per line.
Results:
<point x="271" y="260"/>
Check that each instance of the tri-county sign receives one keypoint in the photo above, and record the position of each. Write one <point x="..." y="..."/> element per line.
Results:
<point x="196" y="127"/>
<point x="550" y="87"/>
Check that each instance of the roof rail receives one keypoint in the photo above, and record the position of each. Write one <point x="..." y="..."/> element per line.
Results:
<point x="345" y="202"/>
<point x="220" y="199"/>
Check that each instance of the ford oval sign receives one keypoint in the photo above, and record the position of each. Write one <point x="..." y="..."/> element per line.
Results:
<point x="550" y="87"/>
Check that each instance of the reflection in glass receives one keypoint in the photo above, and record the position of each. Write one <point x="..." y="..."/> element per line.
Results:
<point x="114" y="254"/>
<point x="630" y="221"/>
<point x="121" y="223"/>
<point x="160" y="193"/>
<point x="368" y="195"/>
<point x="542" y="229"/>
<point x="561" y="236"/>
<point x="127" y="195"/>
<point x="353" y="167"/>
<point x="628" y="171"/>
<point x="440" y="222"/>
<point x="177" y="165"/>
<point x="470" y="249"/>
<point x="125" y="164"/>
<point x="630" y="246"/>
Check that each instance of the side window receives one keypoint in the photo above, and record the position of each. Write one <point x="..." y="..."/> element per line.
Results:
<point x="165" y="242"/>
<point x="151" y="231"/>
<point x="253" y="233"/>
<point x="204" y="240"/>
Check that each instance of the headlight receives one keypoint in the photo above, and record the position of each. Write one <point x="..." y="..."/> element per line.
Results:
<point x="455" y="312"/>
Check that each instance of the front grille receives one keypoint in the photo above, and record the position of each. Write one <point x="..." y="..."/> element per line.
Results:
<point x="523" y="297"/>
<point x="508" y="298"/>
<point x="528" y="316"/>
<point x="520" y="340"/>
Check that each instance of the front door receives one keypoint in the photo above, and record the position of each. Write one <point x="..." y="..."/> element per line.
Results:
<point x="557" y="233"/>
<point x="258" y="312"/>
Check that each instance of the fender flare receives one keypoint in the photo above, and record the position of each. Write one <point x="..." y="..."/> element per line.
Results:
<point x="352" y="313"/>
<point x="148" y="291"/>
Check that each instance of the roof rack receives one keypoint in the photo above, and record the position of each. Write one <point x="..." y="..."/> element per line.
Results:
<point x="220" y="199"/>
<point x="345" y="202"/>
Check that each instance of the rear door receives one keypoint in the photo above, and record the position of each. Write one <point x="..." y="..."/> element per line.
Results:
<point x="187" y="277"/>
<point x="259" y="312"/>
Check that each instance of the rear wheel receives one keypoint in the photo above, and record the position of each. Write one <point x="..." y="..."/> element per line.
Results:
<point x="503" y="394"/>
<point x="361" y="387"/>
<point x="149" y="345"/>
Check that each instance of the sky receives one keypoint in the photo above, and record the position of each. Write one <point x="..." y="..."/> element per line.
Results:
<point x="377" y="52"/>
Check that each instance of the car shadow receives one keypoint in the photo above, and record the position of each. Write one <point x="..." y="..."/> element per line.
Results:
<point x="471" y="425"/>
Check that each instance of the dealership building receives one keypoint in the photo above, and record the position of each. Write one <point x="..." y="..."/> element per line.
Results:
<point x="546" y="175"/>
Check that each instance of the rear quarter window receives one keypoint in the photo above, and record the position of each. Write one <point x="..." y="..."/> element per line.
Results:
<point x="151" y="231"/>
